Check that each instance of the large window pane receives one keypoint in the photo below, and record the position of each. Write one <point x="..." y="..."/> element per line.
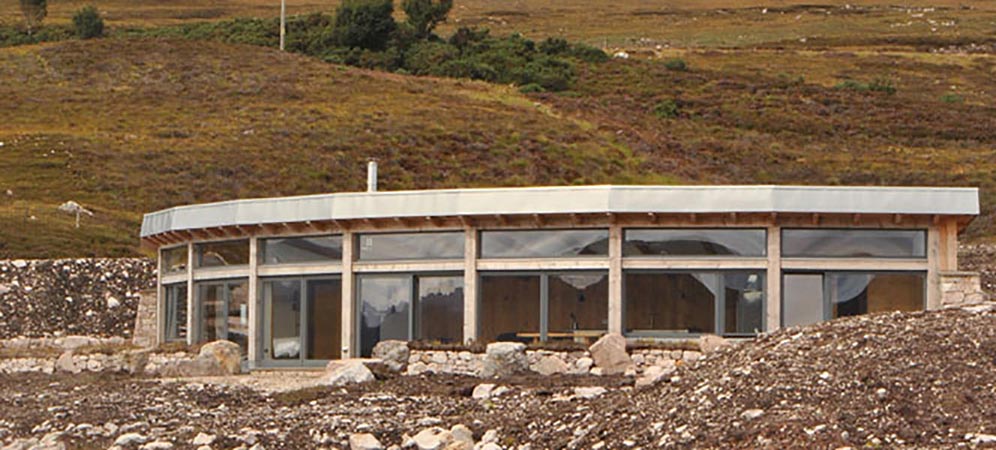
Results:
<point x="694" y="242"/>
<point x="671" y="303"/>
<point x="384" y="304"/>
<point x="284" y="299"/>
<point x="301" y="249"/>
<point x="861" y="293"/>
<point x="212" y="314"/>
<point x="544" y="243"/>
<point x="509" y="308"/>
<point x="439" y="311"/>
<point x="324" y="319"/>
<point x="227" y="253"/>
<point x="174" y="260"/>
<point x="237" y="327"/>
<point x="802" y="302"/>
<point x="578" y="305"/>
<point x="176" y="312"/>
<point x="854" y="243"/>
<point x="743" y="302"/>
<point x="407" y="246"/>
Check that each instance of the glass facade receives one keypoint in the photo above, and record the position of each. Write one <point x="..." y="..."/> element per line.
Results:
<point x="695" y="242"/>
<point x="680" y="303"/>
<point x="304" y="319"/>
<point x="531" y="307"/>
<point x="544" y="243"/>
<point x="411" y="246"/>
<point x="173" y="260"/>
<point x="223" y="253"/>
<point x="223" y="312"/>
<point x="814" y="297"/>
<point x="300" y="249"/>
<point x="408" y="307"/>
<point x="854" y="243"/>
<point x="175" y="320"/>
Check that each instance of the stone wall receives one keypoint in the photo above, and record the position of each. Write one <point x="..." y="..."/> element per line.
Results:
<point x="94" y="296"/>
<point x="962" y="288"/>
<point x="569" y="362"/>
<point x="146" y="331"/>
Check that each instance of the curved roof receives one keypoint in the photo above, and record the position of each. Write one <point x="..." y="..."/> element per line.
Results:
<point x="567" y="200"/>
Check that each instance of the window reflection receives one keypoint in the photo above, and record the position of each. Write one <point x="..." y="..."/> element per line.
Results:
<point x="854" y="243"/>
<point x="544" y="243"/>
<point x="694" y="242"/>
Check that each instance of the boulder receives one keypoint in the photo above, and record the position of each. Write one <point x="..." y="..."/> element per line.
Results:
<point x="203" y="439"/>
<point x="433" y="438"/>
<point x="482" y="391"/>
<point x="609" y="353"/>
<point x="48" y="442"/>
<point x="709" y="343"/>
<point x="346" y="371"/>
<point x="393" y="353"/>
<point x="504" y="358"/>
<point x="550" y="365"/>
<point x="130" y="439"/>
<point x="364" y="441"/>
<point x="653" y="375"/>
<point x="226" y="353"/>
<point x="589" y="392"/>
<point x="66" y="363"/>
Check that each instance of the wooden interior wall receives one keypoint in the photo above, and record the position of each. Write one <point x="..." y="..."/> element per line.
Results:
<point x="668" y="302"/>
<point x="440" y="317"/>
<point x="324" y="338"/>
<point x="590" y="306"/>
<point x="895" y="292"/>
<point x="509" y="305"/>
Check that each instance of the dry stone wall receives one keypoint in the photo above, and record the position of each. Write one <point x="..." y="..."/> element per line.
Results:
<point x="89" y="296"/>
<point x="547" y="362"/>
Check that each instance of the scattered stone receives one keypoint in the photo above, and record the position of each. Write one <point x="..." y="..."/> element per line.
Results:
<point x="550" y="365"/>
<point x="364" y="441"/>
<point x="227" y="354"/>
<point x="157" y="445"/>
<point x="203" y="439"/>
<point x="482" y="391"/>
<point x="348" y="371"/>
<point x="393" y="353"/>
<point x="751" y="414"/>
<point x="709" y="343"/>
<point x="609" y="354"/>
<point x="589" y="392"/>
<point x="504" y="359"/>
<point x="433" y="438"/>
<point x="130" y="439"/>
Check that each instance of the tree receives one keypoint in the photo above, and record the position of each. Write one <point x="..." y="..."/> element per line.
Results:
<point x="424" y="15"/>
<point x="34" y="12"/>
<point x="364" y="24"/>
<point x="88" y="23"/>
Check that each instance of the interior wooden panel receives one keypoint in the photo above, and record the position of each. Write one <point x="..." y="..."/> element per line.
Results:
<point x="440" y="316"/>
<point x="510" y="304"/>
<point x="588" y="307"/>
<point x="324" y="319"/>
<point x="895" y="292"/>
<point x="668" y="302"/>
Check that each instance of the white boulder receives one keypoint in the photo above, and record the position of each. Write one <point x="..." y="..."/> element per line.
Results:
<point x="504" y="358"/>
<point x="609" y="353"/>
<point x="348" y="371"/>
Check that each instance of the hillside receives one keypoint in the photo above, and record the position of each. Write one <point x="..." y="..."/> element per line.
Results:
<point x="126" y="127"/>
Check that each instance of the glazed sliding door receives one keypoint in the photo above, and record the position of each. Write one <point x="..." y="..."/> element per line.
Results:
<point x="302" y="321"/>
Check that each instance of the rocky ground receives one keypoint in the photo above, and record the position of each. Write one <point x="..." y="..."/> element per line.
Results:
<point x="980" y="258"/>
<point x="901" y="380"/>
<point x="91" y="296"/>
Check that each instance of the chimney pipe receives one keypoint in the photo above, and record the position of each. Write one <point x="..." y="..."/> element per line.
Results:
<point x="372" y="176"/>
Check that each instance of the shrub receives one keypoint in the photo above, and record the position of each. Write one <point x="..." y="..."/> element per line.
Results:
<point x="531" y="88"/>
<point x="88" y="23"/>
<point x="366" y="24"/>
<point x="676" y="64"/>
<point x="425" y="57"/>
<point x="424" y="15"/>
<point x="952" y="98"/>
<point x="876" y="85"/>
<point x="666" y="109"/>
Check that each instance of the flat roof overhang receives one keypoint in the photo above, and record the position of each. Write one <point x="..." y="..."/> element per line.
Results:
<point x="566" y="200"/>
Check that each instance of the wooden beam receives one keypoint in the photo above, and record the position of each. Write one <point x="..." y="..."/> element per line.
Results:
<point x="538" y="220"/>
<point x="467" y="221"/>
<point x="815" y="218"/>
<point x="856" y="218"/>
<point x="897" y="219"/>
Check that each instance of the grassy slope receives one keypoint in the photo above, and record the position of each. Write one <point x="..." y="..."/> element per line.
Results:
<point x="777" y="117"/>
<point x="131" y="126"/>
<point x="128" y="127"/>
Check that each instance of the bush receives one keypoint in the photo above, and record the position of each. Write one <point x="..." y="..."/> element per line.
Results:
<point x="424" y="15"/>
<point x="952" y="98"/>
<point x="876" y="85"/>
<point x="34" y="11"/>
<point x="666" y="109"/>
<point x="88" y="23"/>
<point x="676" y="64"/>
<point x="426" y="57"/>
<point x="531" y="88"/>
<point x="366" y="24"/>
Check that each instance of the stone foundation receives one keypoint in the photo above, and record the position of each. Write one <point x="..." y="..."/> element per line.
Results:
<point x="571" y="362"/>
<point x="962" y="288"/>
<point x="146" y="333"/>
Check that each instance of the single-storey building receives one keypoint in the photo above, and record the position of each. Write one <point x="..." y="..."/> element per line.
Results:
<point x="297" y="281"/>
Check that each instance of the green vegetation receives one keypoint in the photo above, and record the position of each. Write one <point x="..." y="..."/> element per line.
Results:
<point x="676" y="64"/>
<point x="88" y="23"/>
<point x="877" y="85"/>
<point x="952" y="98"/>
<point x="666" y="109"/>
